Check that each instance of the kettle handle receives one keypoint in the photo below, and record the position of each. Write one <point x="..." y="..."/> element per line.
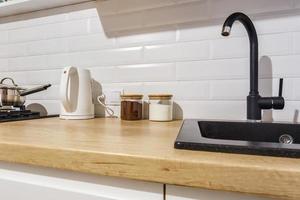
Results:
<point x="64" y="87"/>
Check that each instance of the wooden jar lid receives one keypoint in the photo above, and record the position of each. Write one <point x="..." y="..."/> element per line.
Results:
<point x="160" y="96"/>
<point x="131" y="96"/>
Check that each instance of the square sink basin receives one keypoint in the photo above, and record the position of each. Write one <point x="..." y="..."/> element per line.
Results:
<point x="260" y="138"/>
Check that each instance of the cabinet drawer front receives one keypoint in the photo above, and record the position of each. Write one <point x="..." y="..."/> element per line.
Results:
<point x="21" y="182"/>
<point x="12" y="190"/>
<point x="188" y="193"/>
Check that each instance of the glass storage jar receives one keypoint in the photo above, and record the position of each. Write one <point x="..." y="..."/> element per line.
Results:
<point x="132" y="107"/>
<point x="160" y="107"/>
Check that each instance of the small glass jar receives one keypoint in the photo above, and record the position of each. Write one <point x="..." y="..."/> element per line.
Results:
<point x="132" y="107"/>
<point x="160" y="107"/>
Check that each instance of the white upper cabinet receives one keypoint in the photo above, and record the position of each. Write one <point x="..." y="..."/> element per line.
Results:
<point x="23" y="6"/>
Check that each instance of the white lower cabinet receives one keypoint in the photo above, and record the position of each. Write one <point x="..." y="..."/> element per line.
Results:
<point x="188" y="193"/>
<point x="21" y="182"/>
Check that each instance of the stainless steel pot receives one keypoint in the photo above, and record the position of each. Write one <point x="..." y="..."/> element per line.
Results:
<point x="13" y="95"/>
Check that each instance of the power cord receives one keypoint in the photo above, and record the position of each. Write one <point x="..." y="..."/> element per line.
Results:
<point x="109" y="111"/>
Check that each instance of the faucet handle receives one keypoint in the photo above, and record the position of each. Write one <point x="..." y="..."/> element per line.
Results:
<point x="280" y="87"/>
<point x="276" y="103"/>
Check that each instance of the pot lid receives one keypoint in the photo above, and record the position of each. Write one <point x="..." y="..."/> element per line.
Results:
<point x="12" y="86"/>
<point x="5" y="86"/>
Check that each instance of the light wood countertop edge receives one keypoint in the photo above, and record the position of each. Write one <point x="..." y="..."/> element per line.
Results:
<point x="167" y="171"/>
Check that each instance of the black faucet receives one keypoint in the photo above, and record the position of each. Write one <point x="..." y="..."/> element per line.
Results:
<point x="255" y="103"/>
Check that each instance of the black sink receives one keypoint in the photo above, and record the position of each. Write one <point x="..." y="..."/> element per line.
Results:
<point x="261" y="138"/>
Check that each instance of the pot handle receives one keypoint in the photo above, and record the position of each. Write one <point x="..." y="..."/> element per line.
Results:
<point x="64" y="87"/>
<point x="7" y="78"/>
<point x="35" y="90"/>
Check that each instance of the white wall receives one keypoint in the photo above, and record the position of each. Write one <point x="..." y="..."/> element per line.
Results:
<point x="159" y="46"/>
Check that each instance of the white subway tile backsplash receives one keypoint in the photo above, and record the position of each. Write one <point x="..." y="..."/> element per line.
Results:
<point x="44" y="47"/>
<point x="229" y="89"/>
<point x="193" y="51"/>
<point x="230" y="48"/>
<point x="171" y="46"/>
<point x="296" y="42"/>
<point x="125" y="55"/>
<point x="42" y="77"/>
<point x="34" y="77"/>
<point x="177" y="52"/>
<point x="226" y="110"/>
<point x="194" y="90"/>
<point x="53" y="31"/>
<point x="145" y="73"/>
<point x="27" y="63"/>
<point x="277" y="44"/>
<point x="20" y="77"/>
<point x="157" y="53"/>
<point x="136" y="87"/>
<point x="213" y="69"/>
<point x="151" y="36"/>
<point x="292" y="90"/>
<point x="239" y="89"/>
<point x="76" y="27"/>
<point x="267" y="87"/>
<point x="26" y="34"/>
<point x="3" y="37"/>
<point x="3" y="51"/>
<point x="90" y="42"/>
<point x="282" y="24"/>
<point x="55" y="61"/>
<point x="199" y="31"/>
<point x="95" y="25"/>
<point x="120" y="56"/>
<point x="3" y="65"/>
<point x="285" y="66"/>
<point x="87" y="59"/>
<point x="49" y="31"/>
<point x="159" y="87"/>
<point x="290" y="112"/>
<point x="13" y="50"/>
<point x="103" y="74"/>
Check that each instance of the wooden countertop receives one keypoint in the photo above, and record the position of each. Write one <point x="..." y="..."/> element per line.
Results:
<point x="143" y="150"/>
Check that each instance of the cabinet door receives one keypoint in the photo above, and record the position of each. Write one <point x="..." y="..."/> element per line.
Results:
<point x="16" y="190"/>
<point x="20" y="182"/>
<point x="187" y="193"/>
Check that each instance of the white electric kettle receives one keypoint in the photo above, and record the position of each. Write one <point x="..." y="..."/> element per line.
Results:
<point x="76" y="94"/>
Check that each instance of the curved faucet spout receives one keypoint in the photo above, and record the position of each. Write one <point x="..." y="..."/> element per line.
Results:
<point x="246" y="21"/>
<point x="255" y="103"/>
